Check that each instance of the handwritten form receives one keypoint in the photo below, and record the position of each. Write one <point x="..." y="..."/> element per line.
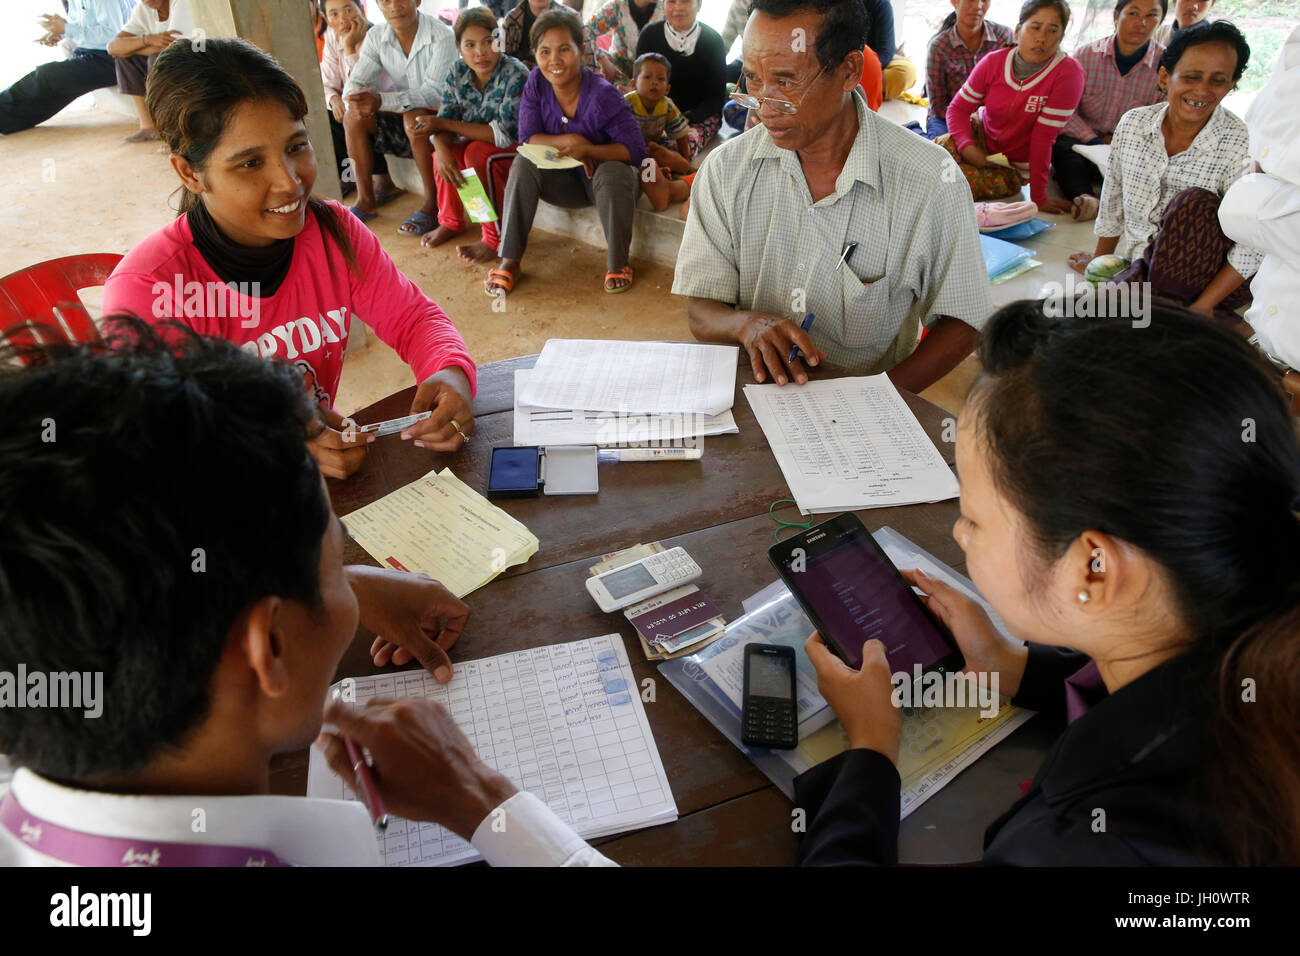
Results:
<point x="638" y="377"/>
<point x="564" y="722"/>
<point x="849" y="443"/>
<point x="440" y="526"/>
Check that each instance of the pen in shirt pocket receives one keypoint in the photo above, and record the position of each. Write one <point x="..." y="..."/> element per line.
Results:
<point x="846" y="255"/>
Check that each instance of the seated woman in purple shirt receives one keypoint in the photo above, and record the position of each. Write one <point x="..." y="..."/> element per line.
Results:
<point x="580" y="115"/>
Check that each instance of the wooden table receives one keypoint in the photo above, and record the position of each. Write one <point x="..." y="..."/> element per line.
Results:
<point x="716" y="508"/>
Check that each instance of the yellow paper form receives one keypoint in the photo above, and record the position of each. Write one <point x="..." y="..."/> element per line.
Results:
<point x="440" y="526"/>
<point x="545" y="157"/>
<point x="938" y="743"/>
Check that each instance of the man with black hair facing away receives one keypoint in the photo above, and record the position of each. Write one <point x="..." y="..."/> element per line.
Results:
<point x="217" y="618"/>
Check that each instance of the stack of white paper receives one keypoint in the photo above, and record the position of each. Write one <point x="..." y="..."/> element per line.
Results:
<point x="562" y="426"/>
<point x="849" y="443"/>
<point x="655" y="378"/>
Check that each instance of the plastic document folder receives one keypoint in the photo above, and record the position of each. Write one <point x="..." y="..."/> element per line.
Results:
<point x="938" y="743"/>
<point x="999" y="255"/>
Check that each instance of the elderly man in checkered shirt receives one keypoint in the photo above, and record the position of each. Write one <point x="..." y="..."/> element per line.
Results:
<point x="825" y="208"/>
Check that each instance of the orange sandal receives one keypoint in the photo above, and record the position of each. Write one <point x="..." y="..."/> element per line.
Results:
<point x="623" y="273"/>
<point x="498" y="283"/>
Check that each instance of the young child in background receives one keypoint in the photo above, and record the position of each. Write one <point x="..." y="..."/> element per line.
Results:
<point x="659" y="118"/>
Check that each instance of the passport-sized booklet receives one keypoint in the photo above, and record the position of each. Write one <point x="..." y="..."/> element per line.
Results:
<point x="475" y="198"/>
<point x="678" y="621"/>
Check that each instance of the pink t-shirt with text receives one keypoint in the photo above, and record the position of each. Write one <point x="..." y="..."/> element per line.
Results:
<point x="306" y="320"/>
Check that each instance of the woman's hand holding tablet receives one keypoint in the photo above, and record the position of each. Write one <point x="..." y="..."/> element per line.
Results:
<point x="986" y="649"/>
<point x="861" y="699"/>
<point x="853" y="594"/>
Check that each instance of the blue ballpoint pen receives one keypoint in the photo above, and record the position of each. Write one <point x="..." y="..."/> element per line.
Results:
<point x="807" y="324"/>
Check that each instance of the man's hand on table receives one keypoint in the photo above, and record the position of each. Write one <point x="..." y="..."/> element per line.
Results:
<point x="425" y="767"/>
<point x="414" y="616"/>
<point x="447" y="394"/>
<point x="768" y="339"/>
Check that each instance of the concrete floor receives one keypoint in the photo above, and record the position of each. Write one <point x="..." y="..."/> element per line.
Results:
<point x="76" y="188"/>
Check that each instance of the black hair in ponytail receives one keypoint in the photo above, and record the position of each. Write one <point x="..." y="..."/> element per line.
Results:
<point x="1192" y="457"/>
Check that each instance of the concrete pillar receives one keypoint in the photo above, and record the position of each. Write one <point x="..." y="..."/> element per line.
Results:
<point x="283" y="28"/>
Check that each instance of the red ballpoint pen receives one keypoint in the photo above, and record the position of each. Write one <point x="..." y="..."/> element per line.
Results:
<point x="365" y="782"/>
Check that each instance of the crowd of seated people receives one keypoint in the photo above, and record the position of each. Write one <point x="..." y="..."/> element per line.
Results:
<point x="821" y="206"/>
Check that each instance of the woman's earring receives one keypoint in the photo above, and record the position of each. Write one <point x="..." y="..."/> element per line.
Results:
<point x="1084" y="597"/>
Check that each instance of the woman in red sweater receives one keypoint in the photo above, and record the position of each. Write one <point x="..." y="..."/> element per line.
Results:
<point x="1015" y="103"/>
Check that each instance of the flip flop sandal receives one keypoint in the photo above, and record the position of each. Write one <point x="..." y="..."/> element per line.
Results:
<point x="623" y="273"/>
<point x="383" y="199"/>
<point x="421" y="222"/>
<point x="498" y="283"/>
<point x="1085" y="208"/>
<point x="362" y="214"/>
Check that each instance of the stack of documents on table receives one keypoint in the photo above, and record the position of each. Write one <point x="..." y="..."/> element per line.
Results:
<point x="441" y="527"/>
<point x="560" y="426"/>
<point x="633" y="378"/>
<point x="564" y="722"/>
<point x="938" y="742"/>
<point x="849" y="443"/>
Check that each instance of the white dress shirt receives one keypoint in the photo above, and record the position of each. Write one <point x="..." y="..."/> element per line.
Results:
<point x="417" y="78"/>
<point x="1263" y="209"/>
<point x="304" y="831"/>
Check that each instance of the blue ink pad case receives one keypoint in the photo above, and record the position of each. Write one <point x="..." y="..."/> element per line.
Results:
<point x="525" y="471"/>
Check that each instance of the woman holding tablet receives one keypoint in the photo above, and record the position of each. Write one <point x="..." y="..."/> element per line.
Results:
<point x="1136" y="566"/>
<point x="256" y="258"/>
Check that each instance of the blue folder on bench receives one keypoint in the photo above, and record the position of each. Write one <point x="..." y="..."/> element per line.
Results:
<point x="999" y="255"/>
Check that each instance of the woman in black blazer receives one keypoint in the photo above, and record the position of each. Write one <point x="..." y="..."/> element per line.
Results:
<point x="1129" y="507"/>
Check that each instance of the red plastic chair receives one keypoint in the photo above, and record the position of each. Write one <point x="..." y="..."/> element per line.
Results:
<point x="46" y="294"/>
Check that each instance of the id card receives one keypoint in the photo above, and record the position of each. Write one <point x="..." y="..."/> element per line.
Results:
<point x="393" y="425"/>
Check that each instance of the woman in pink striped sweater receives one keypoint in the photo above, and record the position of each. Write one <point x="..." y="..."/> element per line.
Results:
<point x="255" y="258"/>
<point x="1016" y="102"/>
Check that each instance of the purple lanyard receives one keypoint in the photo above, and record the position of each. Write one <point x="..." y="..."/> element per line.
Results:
<point x="91" y="849"/>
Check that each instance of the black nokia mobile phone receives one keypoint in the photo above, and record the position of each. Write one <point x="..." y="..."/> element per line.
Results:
<point x="768" y="712"/>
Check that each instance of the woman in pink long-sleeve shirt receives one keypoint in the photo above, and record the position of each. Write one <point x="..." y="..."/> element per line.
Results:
<point x="1024" y="96"/>
<point x="255" y="258"/>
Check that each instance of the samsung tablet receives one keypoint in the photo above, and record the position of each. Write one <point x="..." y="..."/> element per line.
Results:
<point x="852" y="593"/>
